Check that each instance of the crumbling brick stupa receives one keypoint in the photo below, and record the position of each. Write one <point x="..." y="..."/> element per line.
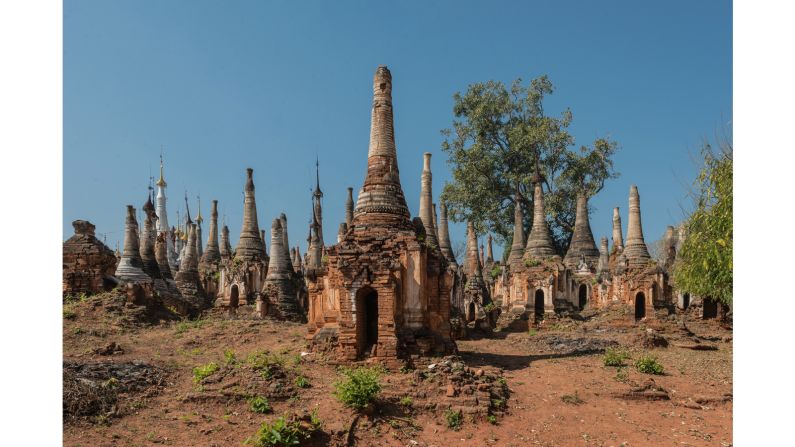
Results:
<point x="88" y="264"/>
<point x="383" y="292"/>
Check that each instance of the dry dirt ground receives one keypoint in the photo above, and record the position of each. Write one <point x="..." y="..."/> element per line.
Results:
<point x="561" y="393"/>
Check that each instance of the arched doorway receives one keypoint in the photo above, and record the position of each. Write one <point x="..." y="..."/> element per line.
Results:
<point x="583" y="294"/>
<point x="234" y="297"/>
<point x="685" y="301"/>
<point x="640" y="306"/>
<point x="710" y="309"/>
<point x="367" y="315"/>
<point x="538" y="305"/>
<point x="470" y="316"/>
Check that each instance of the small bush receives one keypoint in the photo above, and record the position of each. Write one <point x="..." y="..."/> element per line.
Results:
<point x="622" y="375"/>
<point x="532" y="262"/>
<point x="615" y="357"/>
<point x="492" y="419"/>
<point x="406" y="401"/>
<point x="489" y="307"/>
<point x="202" y="372"/>
<point x="359" y="387"/>
<point x="454" y="419"/>
<point x="229" y="357"/>
<point x="573" y="399"/>
<point x="264" y="362"/>
<point x="284" y="432"/>
<point x="69" y="314"/>
<point x="498" y="403"/>
<point x="649" y="365"/>
<point x="532" y="332"/>
<point x="302" y="382"/>
<point x="259" y="404"/>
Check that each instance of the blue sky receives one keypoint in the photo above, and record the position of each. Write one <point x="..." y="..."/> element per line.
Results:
<point x="271" y="85"/>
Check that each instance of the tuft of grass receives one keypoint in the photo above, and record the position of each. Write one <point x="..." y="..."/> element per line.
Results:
<point x="69" y="314"/>
<point x="259" y="404"/>
<point x="532" y="332"/>
<point x="492" y="419"/>
<point x="202" y="372"/>
<point x="183" y="326"/>
<point x="302" y="382"/>
<point x="649" y="365"/>
<point x="573" y="399"/>
<point x="284" y="432"/>
<point x="264" y="362"/>
<point x="406" y="401"/>
<point x="359" y="387"/>
<point x="230" y="357"/>
<point x="621" y="375"/>
<point x="615" y="357"/>
<point x="498" y="403"/>
<point x="454" y="419"/>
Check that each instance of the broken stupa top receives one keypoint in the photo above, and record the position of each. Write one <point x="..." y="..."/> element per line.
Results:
<point x="381" y="200"/>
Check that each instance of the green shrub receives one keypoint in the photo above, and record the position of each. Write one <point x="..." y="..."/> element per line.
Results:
<point x="283" y="432"/>
<point x="615" y="357"/>
<point x="202" y="372"/>
<point x="649" y="365"/>
<point x="229" y="357"/>
<point x="302" y="382"/>
<point x="259" y="404"/>
<point x="264" y="362"/>
<point x="532" y="262"/>
<point x="69" y="314"/>
<point x="489" y="307"/>
<point x="496" y="271"/>
<point x="573" y="399"/>
<point x="622" y="375"/>
<point x="492" y="419"/>
<point x="359" y="387"/>
<point x="532" y="332"/>
<point x="406" y="401"/>
<point x="454" y="419"/>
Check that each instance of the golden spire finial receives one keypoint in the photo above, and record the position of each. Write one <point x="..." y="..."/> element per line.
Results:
<point x="161" y="181"/>
<point x="199" y="218"/>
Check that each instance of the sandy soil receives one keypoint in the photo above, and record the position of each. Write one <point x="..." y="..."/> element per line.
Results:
<point x="559" y="396"/>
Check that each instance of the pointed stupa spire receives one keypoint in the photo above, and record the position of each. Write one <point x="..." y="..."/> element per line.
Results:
<point x="317" y="208"/>
<point x="618" y="239"/>
<point x="162" y="217"/>
<point x="279" y="288"/>
<point x="130" y="266"/>
<point x="635" y="249"/>
<point x="490" y="251"/>
<point x="297" y="263"/>
<point x="315" y="251"/>
<point x="482" y="256"/>
<point x="188" y="219"/>
<point x="444" y="236"/>
<point x="147" y="240"/>
<point x="190" y="262"/>
<point x="250" y="244"/>
<point x="604" y="257"/>
<point x="517" y="246"/>
<point x="161" y="256"/>
<point x="286" y="240"/>
<point x="341" y="232"/>
<point x="349" y="208"/>
<point x="381" y="200"/>
<point x="435" y="223"/>
<point x="199" y="238"/>
<point x="582" y="244"/>
<point x="472" y="262"/>
<point x="162" y="180"/>
<point x="426" y="201"/>
<point x="212" y="254"/>
<point x="539" y="243"/>
<point x="225" y="250"/>
<point x="264" y="237"/>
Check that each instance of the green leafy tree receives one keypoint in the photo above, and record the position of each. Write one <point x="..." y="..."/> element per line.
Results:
<point x="704" y="264"/>
<point x="499" y="136"/>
